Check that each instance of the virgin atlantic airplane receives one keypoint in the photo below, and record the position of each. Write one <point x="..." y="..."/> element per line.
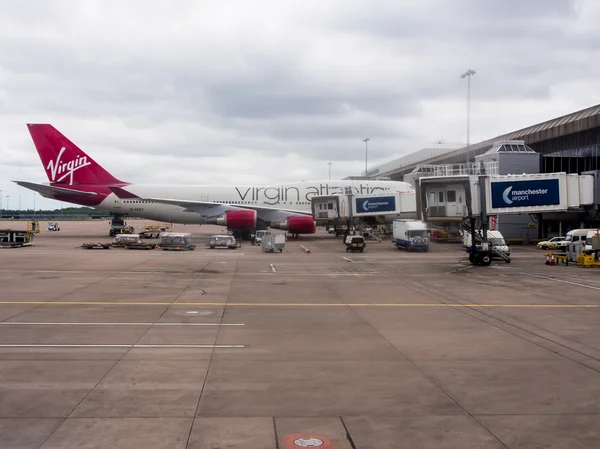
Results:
<point x="74" y="177"/>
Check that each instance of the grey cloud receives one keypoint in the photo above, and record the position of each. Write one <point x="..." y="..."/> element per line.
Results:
<point x="308" y="82"/>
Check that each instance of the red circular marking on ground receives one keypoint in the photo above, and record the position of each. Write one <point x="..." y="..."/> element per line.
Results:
<point x="298" y="440"/>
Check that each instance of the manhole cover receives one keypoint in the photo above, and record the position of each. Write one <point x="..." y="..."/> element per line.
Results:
<point x="308" y="442"/>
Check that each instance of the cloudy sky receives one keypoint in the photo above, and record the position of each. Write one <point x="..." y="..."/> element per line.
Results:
<point x="189" y="91"/>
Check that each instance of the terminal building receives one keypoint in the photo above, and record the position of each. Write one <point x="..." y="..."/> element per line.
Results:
<point x="570" y="144"/>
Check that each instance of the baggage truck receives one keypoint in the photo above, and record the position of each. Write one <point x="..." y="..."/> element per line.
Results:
<point x="411" y="235"/>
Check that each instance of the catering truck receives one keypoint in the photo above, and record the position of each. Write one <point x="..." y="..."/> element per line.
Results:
<point x="410" y="235"/>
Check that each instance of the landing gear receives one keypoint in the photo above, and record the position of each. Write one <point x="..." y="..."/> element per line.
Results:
<point x="241" y="235"/>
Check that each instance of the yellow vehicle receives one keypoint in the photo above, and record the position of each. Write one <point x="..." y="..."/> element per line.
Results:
<point x="355" y="243"/>
<point x="553" y="243"/>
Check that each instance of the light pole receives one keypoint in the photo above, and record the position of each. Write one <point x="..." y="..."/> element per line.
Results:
<point x="7" y="202"/>
<point x="19" y="204"/>
<point x="366" y="141"/>
<point x="468" y="74"/>
<point x="34" y="204"/>
<point x="329" y="163"/>
<point x="1" y="199"/>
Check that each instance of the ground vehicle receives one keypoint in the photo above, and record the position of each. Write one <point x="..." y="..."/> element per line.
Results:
<point x="554" y="242"/>
<point x="410" y="235"/>
<point x="499" y="248"/>
<point x="222" y="241"/>
<point x="259" y="235"/>
<point x="153" y="231"/>
<point x="577" y="235"/>
<point x="588" y="240"/>
<point x="53" y="226"/>
<point x="355" y="243"/>
<point x="118" y="226"/>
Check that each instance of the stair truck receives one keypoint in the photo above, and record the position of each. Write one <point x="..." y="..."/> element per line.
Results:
<point x="498" y="248"/>
<point x="411" y="235"/>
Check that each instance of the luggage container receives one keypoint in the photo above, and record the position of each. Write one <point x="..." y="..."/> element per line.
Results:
<point x="176" y="241"/>
<point x="273" y="242"/>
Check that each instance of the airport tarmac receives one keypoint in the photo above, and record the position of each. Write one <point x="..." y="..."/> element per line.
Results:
<point x="243" y="349"/>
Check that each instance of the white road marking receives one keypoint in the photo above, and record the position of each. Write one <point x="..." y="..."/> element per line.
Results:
<point x="273" y="268"/>
<point x="117" y="346"/>
<point x="459" y="269"/>
<point x="25" y="323"/>
<point x="560" y="280"/>
<point x="346" y="259"/>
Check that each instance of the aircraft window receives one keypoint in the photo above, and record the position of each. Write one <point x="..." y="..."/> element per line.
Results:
<point x="451" y="194"/>
<point x="441" y="197"/>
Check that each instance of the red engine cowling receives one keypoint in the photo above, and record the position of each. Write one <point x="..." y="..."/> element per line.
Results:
<point x="297" y="225"/>
<point x="236" y="219"/>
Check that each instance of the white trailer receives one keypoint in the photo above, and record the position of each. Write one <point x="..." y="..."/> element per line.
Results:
<point x="410" y="235"/>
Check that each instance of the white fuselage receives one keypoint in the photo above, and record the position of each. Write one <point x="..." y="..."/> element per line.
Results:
<point x="288" y="197"/>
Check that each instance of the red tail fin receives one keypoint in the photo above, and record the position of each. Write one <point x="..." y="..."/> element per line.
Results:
<point x="65" y="162"/>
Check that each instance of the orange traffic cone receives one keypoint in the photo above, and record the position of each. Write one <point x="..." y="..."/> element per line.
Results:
<point x="552" y="260"/>
<point x="547" y="260"/>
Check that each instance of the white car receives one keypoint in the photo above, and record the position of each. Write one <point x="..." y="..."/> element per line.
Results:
<point x="553" y="243"/>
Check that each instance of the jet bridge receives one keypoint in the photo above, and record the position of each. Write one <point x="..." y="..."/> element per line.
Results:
<point x="469" y="200"/>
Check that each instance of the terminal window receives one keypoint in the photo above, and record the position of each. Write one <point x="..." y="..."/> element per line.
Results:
<point x="451" y="196"/>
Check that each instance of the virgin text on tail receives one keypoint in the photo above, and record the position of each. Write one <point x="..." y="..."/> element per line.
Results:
<point x="66" y="169"/>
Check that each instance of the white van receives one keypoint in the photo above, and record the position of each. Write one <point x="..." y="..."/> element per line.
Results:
<point x="494" y="237"/>
<point x="577" y="235"/>
<point x="588" y="239"/>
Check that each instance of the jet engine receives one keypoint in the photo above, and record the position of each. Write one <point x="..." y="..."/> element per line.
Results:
<point x="299" y="224"/>
<point x="235" y="219"/>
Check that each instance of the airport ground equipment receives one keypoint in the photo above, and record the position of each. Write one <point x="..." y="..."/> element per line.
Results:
<point x="153" y="231"/>
<point x="469" y="201"/>
<point x="411" y="235"/>
<point x="556" y="259"/>
<point x="12" y="238"/>
<point x="53" y="226"/>
<point x="176" y="241"/>
<point x="131" y="241"/>
<point x="363" y="212"/>
<point x="122" y="240"/>
<point x="355" y="243"/>
<point x="498" y="247"/>
<point x="574" y="249"/>
<point x="95" y="245"/>
<point x="34" y="227"/>
<point x="273" y="242"/>
<point x="118" y="226"/>
<point x="260" y="234"/>
<point x="222" y="241"/>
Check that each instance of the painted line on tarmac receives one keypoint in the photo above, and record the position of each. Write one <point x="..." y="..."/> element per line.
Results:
<point x="273" y="268"/>
<point x="268" y="304"/>
<point x="118" y="346"/>
<point x="346" y="259"/>
<point x="560" y="280"/>
<point x="25" y="323"/>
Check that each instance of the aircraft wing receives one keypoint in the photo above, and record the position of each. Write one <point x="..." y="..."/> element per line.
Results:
<point x="51" y="192"/>
<point x="265" y="213"/>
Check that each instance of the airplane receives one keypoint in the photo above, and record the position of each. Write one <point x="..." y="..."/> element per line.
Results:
<point x="74" y="177"/>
